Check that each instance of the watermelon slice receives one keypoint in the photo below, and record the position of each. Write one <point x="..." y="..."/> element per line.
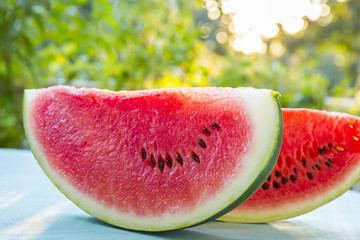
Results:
<point x="319" y="160"/>
<point x="155" y="160"/>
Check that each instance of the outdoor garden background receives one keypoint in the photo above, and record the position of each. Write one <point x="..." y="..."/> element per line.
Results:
<point x="308" y="50"/>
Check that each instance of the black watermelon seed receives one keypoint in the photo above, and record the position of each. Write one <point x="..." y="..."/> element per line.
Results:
<point x="276" y="185"/>
<point x="265" y="186"/>
<point x="330" y="146"/>
<point x="324" y="149"/>
<point x="330" y="160"/>
<point x="269" y="178"/>
<point x="295" y="170"/>
<point x="309" y="175"/>
<point x="293" y="178"/>
<point x="317" y="166"/>
<point x="143" y="153"/>
<point x="215" y="125"/>
<point x="320" y="151"/>
<point x="179" y="159"/>
<point x="328" y="164"/>
<point x="161" y="164"/>
<point x="206" y="131"/>
<point x="284" y="180"/>
<point x="196" y="158"/>
<point x="277" y="174"/>
<point x="303" y="162"/>
<point x="168" y="162"/>
<point x="202" y="143"/>
<point x="153" y="161"/>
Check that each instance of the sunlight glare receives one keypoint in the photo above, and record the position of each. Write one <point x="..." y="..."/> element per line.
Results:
<point x="314" y="12"/>
<point x="293" y="25"/>
<point x="263" y="18"/>
<point x="214" y="13"/>
<point x="35" y="225"/>
<point x="268" y="30"/>
<point x="276" y="48"/>
<point x="221" y="37"/>
<point x="249" y="43"/>
<point x="10" y="198"/>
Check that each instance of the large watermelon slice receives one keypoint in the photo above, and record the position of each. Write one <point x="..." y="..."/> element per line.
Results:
<point x="155" y="160"/>
<point x="319" y="160"/>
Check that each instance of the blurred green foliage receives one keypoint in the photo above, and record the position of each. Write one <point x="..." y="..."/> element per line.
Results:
<point x="152" y="44"/>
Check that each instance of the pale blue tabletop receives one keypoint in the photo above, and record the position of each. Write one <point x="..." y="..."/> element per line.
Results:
<point x="32" y="208"/>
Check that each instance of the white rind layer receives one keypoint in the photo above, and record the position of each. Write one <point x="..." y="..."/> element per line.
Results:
<point x="264" y="113"/>
<point x="293" y="209"/>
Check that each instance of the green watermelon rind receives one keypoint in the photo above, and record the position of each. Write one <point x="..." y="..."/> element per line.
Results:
<point x="237" y="192"/>
<point x="292" y="211"/>
<point x="261" y="177"/>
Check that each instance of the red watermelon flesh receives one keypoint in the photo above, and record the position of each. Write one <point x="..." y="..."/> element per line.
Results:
<point x="154" y="160"/>
<point x="319" y="160"/>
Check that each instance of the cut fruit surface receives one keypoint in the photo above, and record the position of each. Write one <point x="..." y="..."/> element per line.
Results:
<point x="154" y="160"/>
<point x="319" y="160"/>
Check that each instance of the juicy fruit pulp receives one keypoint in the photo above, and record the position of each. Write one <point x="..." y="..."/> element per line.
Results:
<point x="154" y="160"/>
<point x="319" y="160"/>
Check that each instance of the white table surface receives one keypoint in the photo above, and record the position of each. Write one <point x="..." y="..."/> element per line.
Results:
<point x="32" y="208"/>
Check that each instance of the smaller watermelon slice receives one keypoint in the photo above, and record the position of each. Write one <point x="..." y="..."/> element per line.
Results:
<point x="155" y="160"/>
<point x="319" y="160"/>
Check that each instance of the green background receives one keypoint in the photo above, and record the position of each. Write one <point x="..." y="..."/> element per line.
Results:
<point x="160" y="44"/>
